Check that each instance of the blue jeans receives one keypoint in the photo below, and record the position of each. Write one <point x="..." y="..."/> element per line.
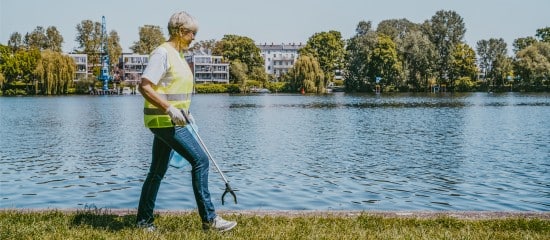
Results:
<point x="181" y="140"/>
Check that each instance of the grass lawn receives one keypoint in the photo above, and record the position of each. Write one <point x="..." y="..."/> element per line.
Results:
<point x="108" y="224"/>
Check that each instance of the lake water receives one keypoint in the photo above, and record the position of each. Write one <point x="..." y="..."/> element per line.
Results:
<point x="341" y="151"/>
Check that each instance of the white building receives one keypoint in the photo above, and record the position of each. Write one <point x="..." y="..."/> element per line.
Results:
<point x="208" y="68"/>
<point x="81" y="61"/>
<point x="133" y="66"/>
<point x="130" y="67"/>
<point x="279" y="59"/>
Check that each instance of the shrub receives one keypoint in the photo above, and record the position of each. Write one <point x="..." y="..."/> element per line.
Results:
<point x="211" y="88"/>
<point x="464" y="84"/>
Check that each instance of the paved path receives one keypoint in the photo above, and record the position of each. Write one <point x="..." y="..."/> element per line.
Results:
<point x="300" y="213"/>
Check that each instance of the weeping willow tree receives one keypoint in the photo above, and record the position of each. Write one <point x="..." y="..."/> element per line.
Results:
<point x="307" y="74"/>
<point x="54" y="73"/>
<point x="2" y="79"/>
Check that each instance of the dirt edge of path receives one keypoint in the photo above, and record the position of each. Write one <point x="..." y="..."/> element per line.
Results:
<point x="475" y="215"/>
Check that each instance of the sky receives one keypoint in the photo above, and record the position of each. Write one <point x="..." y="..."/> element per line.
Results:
<point x="275" y="21"/>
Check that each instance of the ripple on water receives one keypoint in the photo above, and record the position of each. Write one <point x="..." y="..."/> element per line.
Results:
<point x="339" y="151"/>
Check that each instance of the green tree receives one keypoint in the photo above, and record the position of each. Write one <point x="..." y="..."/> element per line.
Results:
<point x="259" y="74"/>
<point x="329" y="49"/>
<point x="150" y="37"/>
<point x="238" y="73"/>
<point x="396" y="28"/>
<point x="492" y="60"/>
<point x="533" y="64"/>
<point x="384" y="62"/>
<point x="522" y="43"/>
<point x="306" y="74"/>
<point x="88" y="37"/>
<point x="40" y="39"/>
<point x="358" y="52"/>
<point x="36" y="39"/>
<point x="54" y="40"/>
<point x="234" y="47"/>
<point x="446" y="29"/>
<point x="2" y="79"/>
<point x="54" y="73"/>
<point x="203" y="46"/>
<point x="15" y="42"/>
<point x="20" y="66"/>
<point x="419" y="53"/>
<point x="543" y="34"/>
<point x="115" y="50"/>
<point x="5" y="53"/>
<point x="463" y="64"/>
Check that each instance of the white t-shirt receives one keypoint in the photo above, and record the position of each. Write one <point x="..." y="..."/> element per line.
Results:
<point x="157" y="66"/>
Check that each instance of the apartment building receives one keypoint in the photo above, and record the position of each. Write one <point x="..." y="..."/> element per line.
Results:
<point x="279" y="58"/>
<point x="131" y="67"/>
<point x="81" y="61"/>
<point x="208" y="68"/>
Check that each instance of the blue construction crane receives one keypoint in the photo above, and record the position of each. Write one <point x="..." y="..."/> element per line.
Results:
<point x="104" y="74"/>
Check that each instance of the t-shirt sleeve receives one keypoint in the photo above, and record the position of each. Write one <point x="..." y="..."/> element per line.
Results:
<point x="157" y="66"/>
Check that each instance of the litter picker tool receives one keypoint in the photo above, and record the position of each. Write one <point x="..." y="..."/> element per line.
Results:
<point x="228" y="188"/>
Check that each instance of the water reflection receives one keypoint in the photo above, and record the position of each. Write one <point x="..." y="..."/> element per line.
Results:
<point x="340" y="151"/>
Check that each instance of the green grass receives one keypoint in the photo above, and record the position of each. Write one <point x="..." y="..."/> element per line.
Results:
<point x="102" y="224"/>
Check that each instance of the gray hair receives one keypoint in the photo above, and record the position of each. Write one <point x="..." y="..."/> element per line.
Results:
<point x="182" y="21"/>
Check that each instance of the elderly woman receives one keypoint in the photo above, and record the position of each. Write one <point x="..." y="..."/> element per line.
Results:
<point x="166" y="85"/>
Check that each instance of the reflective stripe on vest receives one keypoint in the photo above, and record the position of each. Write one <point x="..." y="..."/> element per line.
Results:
<point x="175" y="87"/>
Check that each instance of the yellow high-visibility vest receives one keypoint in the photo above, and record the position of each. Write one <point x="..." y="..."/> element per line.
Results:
<point x="176" y="87"/>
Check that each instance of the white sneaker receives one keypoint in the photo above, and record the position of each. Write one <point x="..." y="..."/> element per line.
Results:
<point x="149" y="227"/>
<point x="219" y="224"/>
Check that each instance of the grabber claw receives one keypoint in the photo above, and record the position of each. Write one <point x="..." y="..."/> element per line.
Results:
<point x="229" y="190"/>
<point x="227" y="187"/>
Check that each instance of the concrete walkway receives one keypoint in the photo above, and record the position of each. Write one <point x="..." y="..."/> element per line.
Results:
<point x="475" y="215"/>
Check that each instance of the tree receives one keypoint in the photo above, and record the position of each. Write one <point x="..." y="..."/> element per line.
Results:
<point x="238" y="72"/>
<point x="203" y="47"/>
<point x="150" y="37"/>
<point x="446" y="29"/>
<point x="307" y="74"/>
<point x="54" y="73"/>
<point x="363" y="28"/>
<point x="115" y="50"/>
<point x="463" y="62"/>
<point x="234" y="47"/>
<point x="522" y="43"/>
<point x="39" y="38"/>
<point x="54" y="40"/>
<point x="533" y="64"/>
<point x="543" y="34"/>
<point x="36" y="39"/>
<point x="15" y="42"/>
<point x="396" y="28"/>
<point x="88" y="37"/>
<point x="419" y="54"/>
<point x="2" y="79"/>
<point x="384" y="62"/>
<point x="328" y="49"/>
<point x="492" y="60"/>
<point x="20" y="66"/>
<point x="5" y="51"/>
<point x="358" y="53"/>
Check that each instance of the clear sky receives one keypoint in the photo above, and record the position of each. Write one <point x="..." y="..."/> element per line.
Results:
<point x="277" y="21"/>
